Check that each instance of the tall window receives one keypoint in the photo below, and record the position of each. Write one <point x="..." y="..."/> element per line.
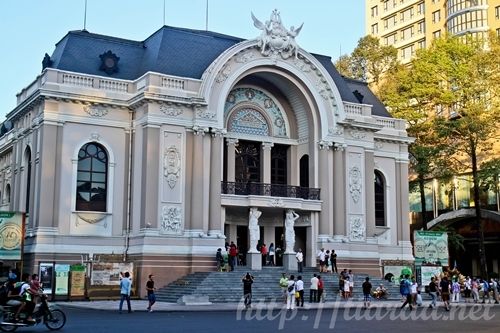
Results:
<point x="379" y="199"/>
<point x="278" y="164"/>
<point x="247" y="164"/>
<point x="304" y="171"/>
<point x="7" y="194"/>
<point x="91" y="190"/>
<point x="27" y="168"/>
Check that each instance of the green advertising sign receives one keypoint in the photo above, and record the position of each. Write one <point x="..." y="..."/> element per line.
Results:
<point x="431" y="247"/>
<point x="11" y="235"/>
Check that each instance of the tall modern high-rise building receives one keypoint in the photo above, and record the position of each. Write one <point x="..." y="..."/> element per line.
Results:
<point x="412" y="24"/>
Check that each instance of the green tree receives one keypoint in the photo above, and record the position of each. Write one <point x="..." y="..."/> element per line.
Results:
<point x="406" y="94"/>
<point x="369" y="61"/>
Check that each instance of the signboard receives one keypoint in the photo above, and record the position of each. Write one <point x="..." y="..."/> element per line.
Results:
<point x="62" y="279"/>
<point x="46" y="276"/>
<point x="429" y="271"/>
<point x="77" y="280"/>
<point x="11" y="235"/>
<point x="108" y="273"/>
<point x="431" y="247"/>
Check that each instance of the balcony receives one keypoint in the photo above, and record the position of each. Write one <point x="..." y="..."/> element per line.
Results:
<point x="272" y="190"/>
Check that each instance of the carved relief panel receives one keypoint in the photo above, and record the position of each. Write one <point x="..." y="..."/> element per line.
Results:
<point x="171" y="167"/>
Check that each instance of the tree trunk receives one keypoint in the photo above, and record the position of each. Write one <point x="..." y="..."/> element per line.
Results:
<point x="421" y="183"/>
<point x="477" y="207"/>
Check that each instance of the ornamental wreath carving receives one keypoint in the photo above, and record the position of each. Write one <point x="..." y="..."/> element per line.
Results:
<point x="357" y="229"/>
<point x="171" y="165"/>
<point x="171" y="219"/>
<point x="275" y="38"/>
<point x="355" y="183"/>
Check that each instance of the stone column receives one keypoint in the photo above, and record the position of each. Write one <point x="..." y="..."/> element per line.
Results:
<point x="402" y="200"/>
<point x="215" y="222"/>
<point x="231" y="158"/>
<point x="370" y="193"/>
<point x="149" y="182"/>
<point x="326" y="184"/>
<point x="197" y="181"/>
<point x="265" y="163"/>
<point x="339" y="190"/>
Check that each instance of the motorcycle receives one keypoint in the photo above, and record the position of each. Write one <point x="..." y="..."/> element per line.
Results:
<point x="52" y="316"/>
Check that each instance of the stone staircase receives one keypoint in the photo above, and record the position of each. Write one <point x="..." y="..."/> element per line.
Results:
<point x="226" y="287"/>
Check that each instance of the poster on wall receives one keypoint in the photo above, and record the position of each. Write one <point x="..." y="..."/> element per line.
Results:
<point x="11" y="235"/>
<point x="431" y="247"/>
<point x="62" y="279"/>
<point x="77" y="280"/>
<point x="108" y="274"/>
<point x="429" y="271"/>
<point x="397" y="271"/>
<point x="46" y="277"/>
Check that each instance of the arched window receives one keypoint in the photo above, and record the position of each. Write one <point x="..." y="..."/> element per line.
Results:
<point x="379" y="199"/>
<point x="91" y="180"/>
<point x="7" y="194"/>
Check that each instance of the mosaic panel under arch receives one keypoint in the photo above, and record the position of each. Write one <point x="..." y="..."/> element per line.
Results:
<point x="248" y="121"/>
<point x="263" y="102"/>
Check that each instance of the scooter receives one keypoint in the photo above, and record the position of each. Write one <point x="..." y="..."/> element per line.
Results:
<point x="51" y="315"/>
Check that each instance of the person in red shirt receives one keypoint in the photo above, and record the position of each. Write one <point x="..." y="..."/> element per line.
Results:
<point x="263" y="251"/>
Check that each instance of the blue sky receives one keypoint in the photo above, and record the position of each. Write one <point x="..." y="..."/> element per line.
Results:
<point x="31" y="28"/>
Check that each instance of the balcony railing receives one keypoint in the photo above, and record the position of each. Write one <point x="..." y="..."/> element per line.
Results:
<point x="273" y="190"/>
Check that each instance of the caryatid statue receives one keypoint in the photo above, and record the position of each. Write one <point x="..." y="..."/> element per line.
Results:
<point x="253" y="228"/>
<point x="290" y="218"/>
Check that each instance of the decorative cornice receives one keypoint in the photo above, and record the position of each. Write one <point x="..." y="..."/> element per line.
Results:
<point x="96" y="110"/>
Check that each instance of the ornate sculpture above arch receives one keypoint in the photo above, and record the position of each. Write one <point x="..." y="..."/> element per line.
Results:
<point x="302" y="69"/>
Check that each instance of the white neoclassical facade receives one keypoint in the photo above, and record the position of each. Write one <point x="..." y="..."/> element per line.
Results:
<point x="157" y="150"/>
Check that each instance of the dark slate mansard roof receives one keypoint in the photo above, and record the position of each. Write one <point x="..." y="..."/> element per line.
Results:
<point x="176" y="51"/>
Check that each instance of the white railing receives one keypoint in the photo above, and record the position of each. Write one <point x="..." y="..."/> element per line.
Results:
<point x="353" y="108"/>
<point x="78" y="80"/>
<point x="171" y="83"/>
<point x="113" y="85"/>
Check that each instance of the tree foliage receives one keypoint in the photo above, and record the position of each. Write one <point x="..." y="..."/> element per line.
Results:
<point x="450" y="97"/>
<point x="369" y="60"/>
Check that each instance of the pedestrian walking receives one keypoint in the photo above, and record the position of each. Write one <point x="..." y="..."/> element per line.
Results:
<point x="299" y="291"/>
<point x="367" y="290"/>
<point x="233" y="253"/>
<point x="467" y="289"/>
<point x="313" y="289"/>
<point x="271" y="254"/>
<point x="290" y="295"/>
<point x="494" y="289"/>
<point x="414" y="292"/>
<point x="406" y="292"/>
<point x="321" y="288"/>
<point x="321" y="256"/>
<point x="475" y="290"/>
<point x="455" y="291"/>
<point x="333" y="260"/>
<point x="444" y="289"/>
<point x="150" y="287"/>
<point x="433" y="291"/>
<point x="263" y="252"/>
<point x="219" y="258"/>
<point x="125" y="289"/>
<point x="486" y="291"/>
<point x="283" y="285"/>
<point x="247" y="289"/>
<point x="351" y="282"/>
<point x="300" y="260"/>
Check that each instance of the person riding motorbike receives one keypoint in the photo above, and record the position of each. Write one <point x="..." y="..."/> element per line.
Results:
<point x="26" y="297"/>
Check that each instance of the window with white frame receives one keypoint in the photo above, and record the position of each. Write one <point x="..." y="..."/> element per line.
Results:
<point x="91" y="180"/>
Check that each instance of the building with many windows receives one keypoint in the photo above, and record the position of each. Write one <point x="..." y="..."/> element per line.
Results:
<point x="157" y="149"/>
<point x="412" y="24"/>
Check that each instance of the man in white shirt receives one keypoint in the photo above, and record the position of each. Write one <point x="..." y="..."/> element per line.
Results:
<point x="321" y="256"/>
<point x="300" y="260"/>
<point x="313" y="290"/>
<point x="299" y="287"/>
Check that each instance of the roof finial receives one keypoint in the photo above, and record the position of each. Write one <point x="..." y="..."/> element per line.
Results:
<point x="85" y="17"/>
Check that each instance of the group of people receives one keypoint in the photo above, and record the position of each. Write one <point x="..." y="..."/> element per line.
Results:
<point x="22" y="294"/>
<point x="451" y="290"/>
<point x="126" y="289"/>
<point x="327" y="261"/>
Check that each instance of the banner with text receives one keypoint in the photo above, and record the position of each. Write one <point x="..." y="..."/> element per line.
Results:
<point x="11" y="235"/>
<point x="431" y="247"/>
